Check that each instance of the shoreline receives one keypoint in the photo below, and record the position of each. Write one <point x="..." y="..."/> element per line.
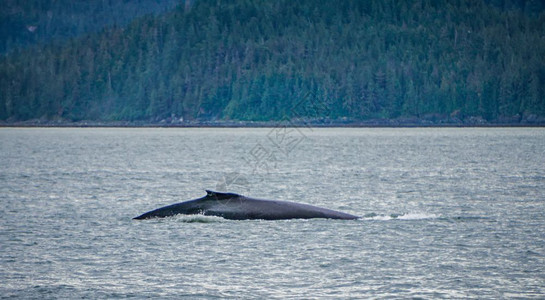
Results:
<point x="395" y="123"/>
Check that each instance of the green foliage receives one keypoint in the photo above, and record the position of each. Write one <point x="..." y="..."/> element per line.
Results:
<point x="259" y="60"/>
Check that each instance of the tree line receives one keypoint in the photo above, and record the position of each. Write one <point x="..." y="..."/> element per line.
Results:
<point x="257" y="59"/>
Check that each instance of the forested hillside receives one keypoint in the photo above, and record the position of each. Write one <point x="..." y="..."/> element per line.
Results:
<point x="28" y="22"/>
<point x="257" y="59"/>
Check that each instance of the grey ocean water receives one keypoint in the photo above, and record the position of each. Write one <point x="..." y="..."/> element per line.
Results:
<point x="453" y="213"/>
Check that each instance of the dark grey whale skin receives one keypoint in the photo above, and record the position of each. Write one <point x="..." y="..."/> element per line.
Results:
<point x="237" y="207"/>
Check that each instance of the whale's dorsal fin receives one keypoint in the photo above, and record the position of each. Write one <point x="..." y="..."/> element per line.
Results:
<point x="220" y="196"/>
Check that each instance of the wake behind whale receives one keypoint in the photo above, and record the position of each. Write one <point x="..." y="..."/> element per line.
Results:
<point x="237" y="207"/>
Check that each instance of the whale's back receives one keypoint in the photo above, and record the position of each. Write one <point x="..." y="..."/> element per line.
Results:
<point x="236" y="207"/>
<point x="242" y="208"/>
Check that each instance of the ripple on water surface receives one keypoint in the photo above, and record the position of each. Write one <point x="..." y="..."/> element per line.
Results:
<point x="445" y="213"/>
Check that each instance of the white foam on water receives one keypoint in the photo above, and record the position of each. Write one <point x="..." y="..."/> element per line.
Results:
<point x="418" y="216"/>
<point x="198" y="219"/>
<point x="405" y="216"/>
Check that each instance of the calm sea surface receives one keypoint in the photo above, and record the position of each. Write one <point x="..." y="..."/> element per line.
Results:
<point x="447" y="213"/>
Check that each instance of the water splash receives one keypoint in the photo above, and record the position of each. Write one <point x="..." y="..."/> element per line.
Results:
<point x="403" y="216"/>
<point x="198" y="219"/>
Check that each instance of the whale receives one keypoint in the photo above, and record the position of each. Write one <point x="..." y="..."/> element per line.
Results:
<point x="238" y="207"/>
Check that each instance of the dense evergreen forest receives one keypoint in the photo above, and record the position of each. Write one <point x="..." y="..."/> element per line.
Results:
<point x="258" y="59"/>
<point x="28" y="22"/>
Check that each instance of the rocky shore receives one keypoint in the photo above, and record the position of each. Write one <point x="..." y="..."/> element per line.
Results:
<point x="426" y="121"/>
